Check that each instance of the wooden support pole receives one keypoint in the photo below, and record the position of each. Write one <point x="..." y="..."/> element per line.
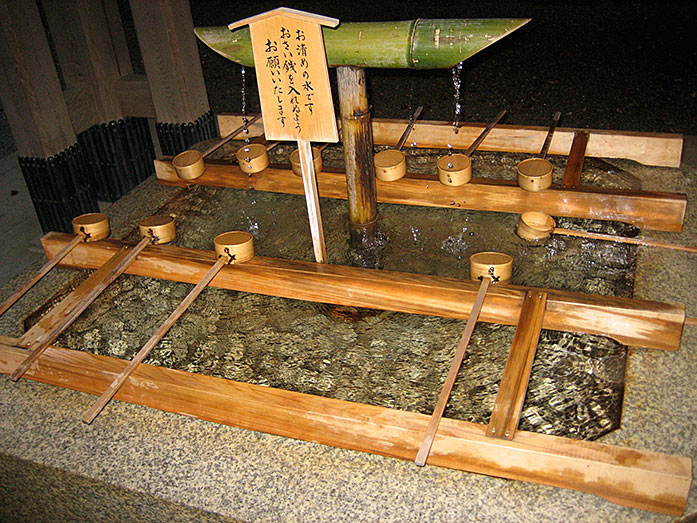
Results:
<point x="312" y="200"/>
<point x="444" y="396"/>
<point x="516" y="375"/>
<point x="29" y="87"/>
<point x="646" y="209"/>
<point x="630" y="321"/>
<point x="630" y="477"/>
<point x="170" y="55"/>
<point x="357" y="137"/>
<point x="152" y="342"/>
<point x="41" y="335"/>
<point x="574" y="164"/>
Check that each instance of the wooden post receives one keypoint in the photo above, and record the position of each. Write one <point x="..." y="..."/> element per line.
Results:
<point x="357" y="137"/>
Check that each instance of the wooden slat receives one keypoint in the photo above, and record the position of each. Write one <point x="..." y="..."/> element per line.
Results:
<point x="633" y="322"/>
<point x="635" y="478"/>
<point x="516" y="375"/>
<point x="650" y="210"/>
<point x="574" y="164"/>
<point x="660" y="149"/>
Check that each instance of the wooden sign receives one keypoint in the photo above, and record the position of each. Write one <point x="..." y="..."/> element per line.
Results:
<point x="292" y="75"/>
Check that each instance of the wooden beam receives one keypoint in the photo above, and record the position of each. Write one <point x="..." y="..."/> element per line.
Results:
<point x="31" y="93"/>
<point x="118" y="37"/>
<point x="634" y="478"/>
<point x="659" y="149"/>
<point x="574" y="163"/>
<point x="170" y="55"/>
<point x="633" y="322"/>
<point x="650" y="210"/>
<point x="135" y="96"/>
<point x="514" y="383"/>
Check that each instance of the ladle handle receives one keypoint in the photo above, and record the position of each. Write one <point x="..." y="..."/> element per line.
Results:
<point x="548" y="139"/>
<point x="622" y="239"/>
<point x="691" y="321"/>
<point x="407" y="131"/>
<point x="430" y="435"/>
<point x="230" y="136"/>
<point x="484" y="134"/>
<point x="115" y="385"/>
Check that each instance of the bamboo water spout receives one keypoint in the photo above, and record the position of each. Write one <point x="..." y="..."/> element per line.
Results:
<point x="408" y="44"/>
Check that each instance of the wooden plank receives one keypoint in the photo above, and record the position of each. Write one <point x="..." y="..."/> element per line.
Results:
<point x="31" y="93"/>
<point x="635" y="478"/>
<point x="444" y="396"/>
<point x="659" y="149"/>
<point x="135" y="97"/>
<point x="574" y="164"/>
<point x="48" y="328"/>
<point x="516" y="375"/>
<point x="633" y="322"/>
<point x="170" y="55"/>
<point x="85" y="52"/>
<point x="650" y="210"/>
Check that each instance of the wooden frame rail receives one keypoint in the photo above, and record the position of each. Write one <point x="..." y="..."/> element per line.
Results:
<point x="634" y="322"/>
<point x="650" y="210"/>
<point x="634" y="478"/>
<point x="659" y="149"/>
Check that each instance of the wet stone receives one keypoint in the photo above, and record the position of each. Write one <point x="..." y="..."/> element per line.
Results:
<point x="376" y="357"/>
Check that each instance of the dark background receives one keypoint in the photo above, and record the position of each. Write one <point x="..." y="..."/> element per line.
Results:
<point x="607" y="65"/>
<point x="604" y="65"/>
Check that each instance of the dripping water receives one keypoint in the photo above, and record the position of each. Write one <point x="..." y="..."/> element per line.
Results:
<point x="245" y="120"/>
<point x="457" y="83"/>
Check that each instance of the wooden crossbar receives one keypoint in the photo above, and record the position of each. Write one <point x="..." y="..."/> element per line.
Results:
<point x="660" y="149"/>
<point x="633" y="322"/>
<point x="635" y="478"/>
<point x="649" y="210"/>
<point x="516" y="375"/>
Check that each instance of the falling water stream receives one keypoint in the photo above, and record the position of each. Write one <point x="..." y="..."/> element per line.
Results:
<point x="457" y="84"/>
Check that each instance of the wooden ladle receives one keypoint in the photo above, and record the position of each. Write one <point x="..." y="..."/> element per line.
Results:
<point x="316" y="159"/>
<point x="230" y="247"/>
<point x="90" y="227"/>
<point x="456" y="169"/>
<point x="190" y="164"/>
<point x="487" y="267"/>
<point x="536" y="226"/>
<point x="391" y="164"/>
<point x="254" y="157"/>
<point x="535" y="174"/>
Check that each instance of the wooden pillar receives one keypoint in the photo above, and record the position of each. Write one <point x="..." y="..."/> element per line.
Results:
<point x="173" y="66"/>
<point x="357" y="137"/>
<point x="36" y="110"/>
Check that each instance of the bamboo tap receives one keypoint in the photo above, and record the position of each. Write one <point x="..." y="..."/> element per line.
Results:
<point x="536" y="226"/>
<point x="87" y="227"/>
<point x="535" y="174"/>
<point x="456" y="169"/>
<point x="189" y="164"/>
<point x="230" y="247"/>
<point x="488" y="267"/>
<point x="391" y="164"/>
<point x="154" y="230"/>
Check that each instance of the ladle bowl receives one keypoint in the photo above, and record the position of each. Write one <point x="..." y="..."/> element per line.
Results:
<point x="535" y="226"/>
<point x="94" y="226"/>
<point x="253" y="158"/>
<point x="295" y="161"/>
<point x="390" y="165"/>
<point x="535" y="174"/>
<point x="159" y="227"/>
<point x="238" y="246"/>
<point x="189" y="164"/>
<point x="495" y="265"/>
<point x="454" y="169"/>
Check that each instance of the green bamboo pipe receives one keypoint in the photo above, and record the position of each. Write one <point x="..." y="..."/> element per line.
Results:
<point x="410" y="44"/>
